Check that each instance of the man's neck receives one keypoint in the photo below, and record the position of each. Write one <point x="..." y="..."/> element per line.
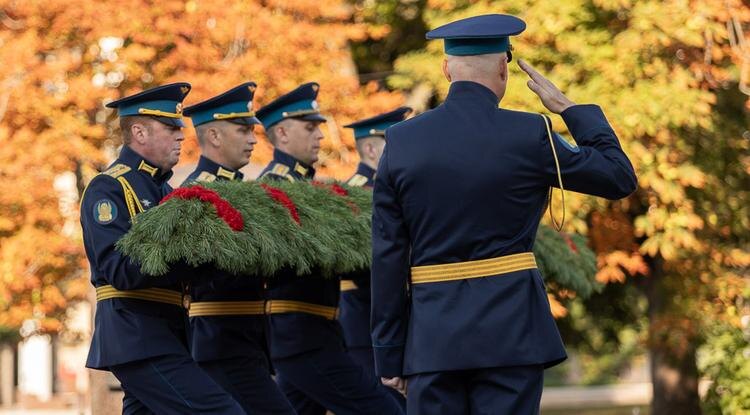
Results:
<point x="493" y="85"/>
<point x="216" y="158"/>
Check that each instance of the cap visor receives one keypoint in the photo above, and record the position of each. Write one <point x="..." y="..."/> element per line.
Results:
<point x="174" y="122"/>
<point x="313" y="117"/>
<point x="244" y="120"/>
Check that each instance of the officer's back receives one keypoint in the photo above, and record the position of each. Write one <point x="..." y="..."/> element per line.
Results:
<point x="458" y="197"/>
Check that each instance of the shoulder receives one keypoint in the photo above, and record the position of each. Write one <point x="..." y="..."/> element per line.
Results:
<point x="277" y="171"/>
<point x="419" y="123"/>
<point x="199" y="176"/>
<point x="357" y="180"/>
<point x="116" y="170"/>
<point x="521" y="116"/>
<point x="105" y="182"/>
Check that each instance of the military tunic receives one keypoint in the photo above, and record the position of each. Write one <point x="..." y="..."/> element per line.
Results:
<point x="141" y="340"/>
<point x="468" y="181"/>
<point x="307" y="348"/>
<point x="228" y="346"/>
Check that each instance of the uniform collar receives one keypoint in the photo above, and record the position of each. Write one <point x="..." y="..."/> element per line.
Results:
<point x="208" y="165"/>
<point x="468" y="90"/>
<point x="137" y="162"/>
<point x="296" y="166"/>
<point x="366" y="171"/>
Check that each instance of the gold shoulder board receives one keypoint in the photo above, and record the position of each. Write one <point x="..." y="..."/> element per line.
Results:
<point x="205" y="177"/>
<point x="117" y="170"/>
<point x="280" y="169"/>
<point x="357" y="180"/>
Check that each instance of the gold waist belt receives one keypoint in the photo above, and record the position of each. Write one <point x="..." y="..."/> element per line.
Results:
<point x="347" y="285"/>
<point x="226" y="308"/>
<point x="159" y="295"/>
<point x="473" y="269"/>
<point x="285" y="306"/>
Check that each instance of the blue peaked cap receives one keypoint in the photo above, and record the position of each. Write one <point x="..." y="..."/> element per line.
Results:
<point x="479" y="35"/>
<point x="235" y="105"/>
<point x="299" y="103"/>
<point x="376" y="126"/>
<point x="164" y="103"/>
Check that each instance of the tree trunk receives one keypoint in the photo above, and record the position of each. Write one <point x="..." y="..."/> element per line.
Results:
<point x="672" y="347"/>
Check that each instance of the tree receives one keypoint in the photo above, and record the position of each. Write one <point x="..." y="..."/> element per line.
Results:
<point x="668" y="78"/>
<point x="62" y="63"/>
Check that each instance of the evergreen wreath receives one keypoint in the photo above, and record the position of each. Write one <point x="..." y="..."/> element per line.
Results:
<point x="255" y="229"/>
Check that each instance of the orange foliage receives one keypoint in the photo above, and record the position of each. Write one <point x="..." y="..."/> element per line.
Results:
<point x="62" y="62"/>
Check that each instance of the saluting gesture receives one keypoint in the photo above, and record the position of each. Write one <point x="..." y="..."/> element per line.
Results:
<point x="551" y="96"/>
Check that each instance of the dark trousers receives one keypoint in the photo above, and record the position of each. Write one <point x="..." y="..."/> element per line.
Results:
<point x="248" y="379"/>
<point x="328" y="378"/>
<point x="366" y="360"/>
<point x="171" y="384"/>
<point x="497" y="391"/>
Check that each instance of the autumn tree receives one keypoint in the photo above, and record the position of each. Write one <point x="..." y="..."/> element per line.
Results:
<point x="63" y="61"/>
<point x="670" y="76"/>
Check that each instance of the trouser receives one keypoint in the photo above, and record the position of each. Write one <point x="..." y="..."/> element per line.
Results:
<point x="498" y="391"/>
<point x="171" y="384"/>
<point x="248" y="379"/>
<point x="365" y="359"/>
<point x="328" y="378"/>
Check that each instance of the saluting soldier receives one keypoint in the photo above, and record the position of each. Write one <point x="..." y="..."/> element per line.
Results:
<point x="227" y="336"/>
<point x="140" y="323"/>
<point x="354" y="316"/>
<point x="306" y="345"/>
<point x="458" y="197"/>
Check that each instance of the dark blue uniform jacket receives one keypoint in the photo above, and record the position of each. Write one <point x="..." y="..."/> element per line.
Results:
<point x="221" y="337"/>
<point x="126" y="330"/>
<point x="469" y="181"/>
<point x="294" y="333"/>
<point x="354" y="313"/>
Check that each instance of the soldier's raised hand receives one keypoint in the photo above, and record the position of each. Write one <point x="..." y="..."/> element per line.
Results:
<point x="551" y="96"/>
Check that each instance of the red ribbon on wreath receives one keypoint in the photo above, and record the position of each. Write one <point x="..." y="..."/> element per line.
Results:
<point x="281" y="197"/>
<point x="224" y="209"/>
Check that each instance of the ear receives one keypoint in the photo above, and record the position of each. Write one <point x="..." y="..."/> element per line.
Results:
<point x="370" y="149"/>
<point x="445" y="70"/>
<point x="504" y="67"/>
<point x="280" y="132"/>
<point x="214" y="136"/>
<point x="139" y="132"/>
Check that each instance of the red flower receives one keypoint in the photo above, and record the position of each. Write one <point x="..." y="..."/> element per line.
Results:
<point x="336" y="189"/>
<point x="569" y="241"/>
<point x="281" y="197"/>
<point x="224" y="209"/>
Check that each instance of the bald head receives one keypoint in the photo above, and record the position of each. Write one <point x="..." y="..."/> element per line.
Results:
<point x="490" y="70"/>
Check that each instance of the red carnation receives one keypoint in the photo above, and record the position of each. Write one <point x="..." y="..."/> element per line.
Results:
<point x="281" y="197"/>
<point x="224" y="209"/>
<point x="569" y="241"/>
<point x="336" y="189"/>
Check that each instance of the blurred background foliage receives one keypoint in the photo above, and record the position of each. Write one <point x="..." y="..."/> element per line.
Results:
<point x="672" y="77"/>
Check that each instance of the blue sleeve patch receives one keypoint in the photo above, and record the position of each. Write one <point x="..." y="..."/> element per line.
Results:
<point x="566" y="144"/>
<point x="105" y="211"/>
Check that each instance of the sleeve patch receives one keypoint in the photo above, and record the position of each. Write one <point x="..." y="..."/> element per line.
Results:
<point x="105" y="211"/>
<point x="573" y="148"/>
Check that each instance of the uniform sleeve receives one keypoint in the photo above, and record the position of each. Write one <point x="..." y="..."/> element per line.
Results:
<point x="390" y="272"/>
<point x="105" y="219"/>
<point x="597" y="165"/>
